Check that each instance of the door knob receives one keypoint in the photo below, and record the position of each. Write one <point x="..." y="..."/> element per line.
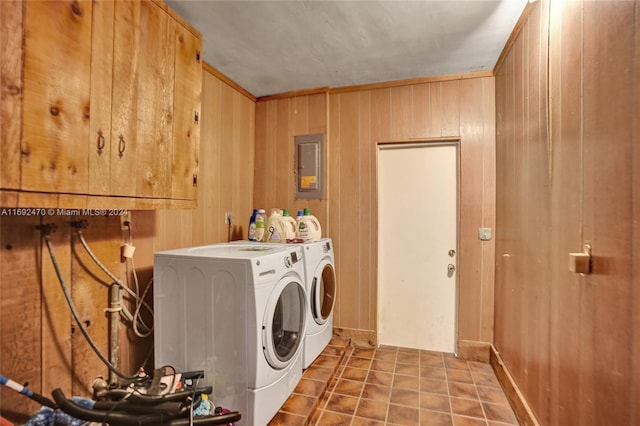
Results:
<point x="451" y="268"/>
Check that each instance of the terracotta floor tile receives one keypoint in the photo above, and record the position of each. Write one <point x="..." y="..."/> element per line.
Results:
<point x="480" y="367"/>
<point x="408" y="350"/>
<point x="462" y="376"/>
<point x="342" y="404"/>
<point x="310" y="387"/>
<point x="407" y="369"/>
<point x="300" y="404"/>
<point x="330" y="418"/>
<point x="484" y="379"/>
<point x="380" y="378"/>
<point x="405" y="397"/>
<point x="359" y="362"/>
<point x="377" y="392"/>
<point x="435" y="402"/>
<point x="406" y="382"/>
<point x="371" y="409"/>
<point x="435" y="418"/>
<point x="431" y="361"/>
<point x="452" y="362"/>
<point x="363" y="353"/>
<point x="408" y="358"/>
<point x="463" y="390"/>
<point x="499" y="412"/>
<point x="433" y="373"/>
<point x="288" y="419"/>
<point x="466" y="407"/>
<point x="349" y="387"/>
<point x="385" y="355"/>
<point x="468" y="421"/>
<point x="327" y="361"/>
<point x="361" y="421"/>
<point x="401" y="415"/>
<point x="495" y="395"/>
<point x="351" y="373"/>
<point x="395" y="386"/>
<point x="319" y="373"/>
<point x="434" y="386"/>
<point x="381" y="365"/>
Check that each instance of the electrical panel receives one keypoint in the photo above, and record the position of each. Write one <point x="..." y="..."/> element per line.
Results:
<point x="308" y="166"/>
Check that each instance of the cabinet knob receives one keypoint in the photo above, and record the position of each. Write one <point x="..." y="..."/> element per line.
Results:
<point x="100" y="141"/>
<point x="122" y="145"/>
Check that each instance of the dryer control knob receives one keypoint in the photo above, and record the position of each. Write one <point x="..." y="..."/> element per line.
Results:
<point x="287" y="262"/>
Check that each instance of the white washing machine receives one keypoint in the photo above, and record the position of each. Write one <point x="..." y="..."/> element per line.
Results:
<point x="320" y="283"/>
<point x="238" y="312"/>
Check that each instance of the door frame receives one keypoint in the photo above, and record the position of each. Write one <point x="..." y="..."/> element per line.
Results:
<point x="422" y="142"/>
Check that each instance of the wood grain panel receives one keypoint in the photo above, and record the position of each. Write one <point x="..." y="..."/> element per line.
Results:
<point x="347" y="248"/>
<point x="100" y="99"/>
<point x="607" y="149"/>
<point x="11" y="32"/>
<point x="186" y="106"/>
<point x="20" y="326"/>
<point x="574" y="179"/>
<point x="635" y="282"/>
<point x="470" y="207"/>
<point x="56" y="108"/>
<point x="56" y="320"/>
<point x="357" y="120"/>
<point x="153" y="146"/>
<point x="90" y="293"/>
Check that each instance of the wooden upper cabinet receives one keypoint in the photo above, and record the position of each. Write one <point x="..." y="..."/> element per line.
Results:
<point x="110" y="106"/>
<point x="56" y="111"/>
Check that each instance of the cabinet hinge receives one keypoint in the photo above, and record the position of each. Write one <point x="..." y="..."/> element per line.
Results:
<point x="198" y="56"/>
<point x="196" y="117"/>
<point x="195" y="180"/>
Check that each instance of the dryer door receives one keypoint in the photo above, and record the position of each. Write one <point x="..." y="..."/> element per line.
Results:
<point x="283" y="327"/>
<point x="323" y="292"/>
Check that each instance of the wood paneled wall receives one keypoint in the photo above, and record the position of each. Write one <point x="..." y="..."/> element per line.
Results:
<point x="353" y="123"/>
<point x="39" y="342"/>
<point x="567" y="174"/>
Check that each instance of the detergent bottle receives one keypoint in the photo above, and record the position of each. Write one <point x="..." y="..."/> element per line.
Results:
<point x="308" y="227"/>
<point x="260" y="234"/>
<point x="290" y="225"/>
<point x="298" y="219"/>
<point x="252" y="226"/>
<point x="276" y="230"/>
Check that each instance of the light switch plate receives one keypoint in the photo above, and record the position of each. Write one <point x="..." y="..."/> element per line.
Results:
<point x="484" y="234"/>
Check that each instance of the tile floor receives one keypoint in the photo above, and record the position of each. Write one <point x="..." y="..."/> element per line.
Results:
<point x="395" y="386"/>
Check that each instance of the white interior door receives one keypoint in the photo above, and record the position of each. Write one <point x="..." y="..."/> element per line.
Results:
<point x="417" y="245"/>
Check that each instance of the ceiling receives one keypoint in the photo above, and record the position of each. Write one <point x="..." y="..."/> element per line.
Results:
<point x="270" y="47"/>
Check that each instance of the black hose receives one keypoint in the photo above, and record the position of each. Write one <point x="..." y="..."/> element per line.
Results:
<point x="113" y="418"/>
<point x="116" y="419"/>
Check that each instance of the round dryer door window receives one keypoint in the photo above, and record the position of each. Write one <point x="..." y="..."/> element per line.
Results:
<point x="284" y="324"/>
<point x="323" y="293"/>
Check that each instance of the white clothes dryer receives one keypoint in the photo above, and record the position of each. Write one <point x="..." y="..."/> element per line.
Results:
<point x="320" y="284"/>
<point x="239" y="313"/>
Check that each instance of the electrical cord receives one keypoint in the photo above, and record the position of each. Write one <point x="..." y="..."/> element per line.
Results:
<point x="75" y="314"/>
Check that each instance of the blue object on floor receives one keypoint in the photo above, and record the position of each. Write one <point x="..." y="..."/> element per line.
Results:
<point x="49" y="417"/>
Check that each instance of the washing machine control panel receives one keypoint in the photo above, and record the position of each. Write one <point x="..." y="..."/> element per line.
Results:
<point x="291" y="259"/>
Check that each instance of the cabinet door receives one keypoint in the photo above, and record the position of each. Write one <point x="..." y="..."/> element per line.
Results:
<point x="188" y="86"/>
<point x="99" y="141"/>
<point x="142" y="101"/>
<point x="57" y="61"/>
